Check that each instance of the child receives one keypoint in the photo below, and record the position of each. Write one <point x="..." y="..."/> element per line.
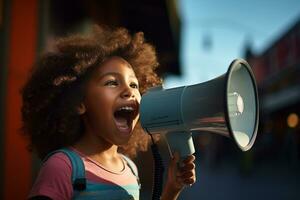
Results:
<point x="83" y="100"/>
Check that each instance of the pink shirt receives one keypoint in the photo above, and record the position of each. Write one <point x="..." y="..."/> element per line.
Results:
<point x="54" y="178"/>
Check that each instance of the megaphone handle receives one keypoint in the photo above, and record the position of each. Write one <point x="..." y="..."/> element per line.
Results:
<point x="181" y="142"/>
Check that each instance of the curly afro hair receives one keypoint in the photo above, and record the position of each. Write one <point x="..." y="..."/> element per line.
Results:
<point x="57" y="81"/>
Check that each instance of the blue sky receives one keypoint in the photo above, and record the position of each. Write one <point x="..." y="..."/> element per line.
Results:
<point x="214" y="32"/>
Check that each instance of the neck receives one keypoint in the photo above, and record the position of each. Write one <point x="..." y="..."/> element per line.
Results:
<point x="101" y="152"/>
<point x="97" y="148"/>
<point x="94" y="146"/>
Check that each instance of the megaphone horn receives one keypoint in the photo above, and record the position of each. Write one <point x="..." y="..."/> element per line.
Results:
<point x="226" y="105"/>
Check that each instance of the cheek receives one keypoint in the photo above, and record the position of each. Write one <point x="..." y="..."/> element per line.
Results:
<point x="100" y="98"/>
<point x="99" y="105"/>
<point x="138" y="96"/>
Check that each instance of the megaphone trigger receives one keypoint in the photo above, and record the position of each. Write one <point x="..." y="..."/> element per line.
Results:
<point x="175" y="144"/>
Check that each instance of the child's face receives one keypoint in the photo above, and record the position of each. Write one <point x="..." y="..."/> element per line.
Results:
<point x="112" y="101"/>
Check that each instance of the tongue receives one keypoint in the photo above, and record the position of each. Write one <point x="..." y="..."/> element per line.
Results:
<point x="121" y="122"/>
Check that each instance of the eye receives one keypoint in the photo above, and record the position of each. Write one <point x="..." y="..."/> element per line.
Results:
<point x="134" y="85"/>
<point x="111" y="83"/>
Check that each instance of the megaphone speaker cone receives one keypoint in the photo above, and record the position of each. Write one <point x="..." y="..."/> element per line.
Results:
<point x="242" y="104"/>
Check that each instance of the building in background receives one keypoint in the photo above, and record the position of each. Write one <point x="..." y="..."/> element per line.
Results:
<point x="159" y="20"/>
<point x="277" y="71"/>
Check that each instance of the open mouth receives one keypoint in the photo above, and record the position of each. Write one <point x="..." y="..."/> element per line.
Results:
<point x="124" y="117"/>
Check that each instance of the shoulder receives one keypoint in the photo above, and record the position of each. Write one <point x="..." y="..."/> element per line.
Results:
<point x="54" y="178"/>
<point x="58" y="160"/>
<point x="57" y="165"/>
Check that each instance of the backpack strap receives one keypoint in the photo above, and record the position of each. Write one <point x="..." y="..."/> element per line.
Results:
<point x="78" y="170"/>
<point x="133" y="168"/>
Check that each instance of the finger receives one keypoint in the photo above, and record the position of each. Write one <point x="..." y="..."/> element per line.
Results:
<point x="174" y="160"/>
<point x="187" y="175"/>
<point x="189" y="159"/>
<point x="189" y="181"/>
<point x="188" y="167"/>
<point x="174" y="164"/>
<point x="185" y="181"/>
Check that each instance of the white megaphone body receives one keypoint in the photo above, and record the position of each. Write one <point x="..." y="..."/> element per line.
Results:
<point x="227" y="105"/>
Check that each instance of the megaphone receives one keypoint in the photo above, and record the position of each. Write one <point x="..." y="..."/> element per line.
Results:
<point x="226" y="105"/>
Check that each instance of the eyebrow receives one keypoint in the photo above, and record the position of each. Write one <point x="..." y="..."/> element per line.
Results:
<point x="115" y="74"/>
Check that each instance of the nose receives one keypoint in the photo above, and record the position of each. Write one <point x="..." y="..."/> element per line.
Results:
<point x="127" y="92"/>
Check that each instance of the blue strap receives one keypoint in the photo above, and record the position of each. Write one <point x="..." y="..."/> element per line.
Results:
<point x="78" y="170"/>
<point x="131" y="165"/>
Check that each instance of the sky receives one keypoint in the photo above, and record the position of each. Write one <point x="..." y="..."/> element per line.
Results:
<point x="215" y="32"/>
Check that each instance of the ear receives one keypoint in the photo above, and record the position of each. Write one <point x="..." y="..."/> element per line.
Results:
<point x="81" y="109"/>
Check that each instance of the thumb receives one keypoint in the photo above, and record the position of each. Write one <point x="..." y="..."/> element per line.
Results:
<point x="175" y="158"/>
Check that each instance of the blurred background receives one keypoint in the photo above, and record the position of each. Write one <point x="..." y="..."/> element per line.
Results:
<point x="196" y="41"/>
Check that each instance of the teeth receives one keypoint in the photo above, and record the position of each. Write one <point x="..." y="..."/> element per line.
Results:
<point x="128" y="108"/>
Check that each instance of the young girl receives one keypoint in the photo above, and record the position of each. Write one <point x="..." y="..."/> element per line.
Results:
<point x="80" y="112"/>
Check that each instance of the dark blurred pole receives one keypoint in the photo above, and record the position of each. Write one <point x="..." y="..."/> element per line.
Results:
<point x="4" y="35"/>
<point x="21" y="52"/>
